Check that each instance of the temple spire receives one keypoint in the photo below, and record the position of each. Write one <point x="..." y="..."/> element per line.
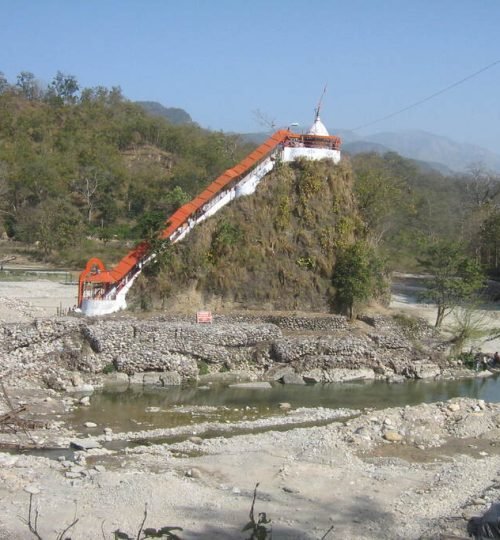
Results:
<point x="318" y="128"/>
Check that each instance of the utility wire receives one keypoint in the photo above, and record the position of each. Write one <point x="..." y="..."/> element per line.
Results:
<point x="419" y="102"/>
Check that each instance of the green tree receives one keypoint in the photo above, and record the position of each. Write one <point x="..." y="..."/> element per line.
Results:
<point x="455" y="277"/>
<point x="358" y="276"/>
<point x="64" y="87"/>
<point x="381" y="192"/>
<point x="54" y="225"/>
<point x="4" y="84"/>
<point x="28" y="85"/>
<point x="490" y="242"/>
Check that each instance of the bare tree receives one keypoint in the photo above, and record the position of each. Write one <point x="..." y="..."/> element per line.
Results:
<point x="482" y="186"/>
<point x="264" y="120"/>
<point x="87" y="186"/>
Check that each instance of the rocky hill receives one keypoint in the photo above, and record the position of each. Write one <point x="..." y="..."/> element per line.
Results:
<point x="273" y="250"/>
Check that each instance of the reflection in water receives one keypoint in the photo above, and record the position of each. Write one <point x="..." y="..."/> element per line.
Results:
<point x="125" y="409"/>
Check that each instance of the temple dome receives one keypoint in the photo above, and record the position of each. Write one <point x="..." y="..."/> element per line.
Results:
<point x="318" y="128"/>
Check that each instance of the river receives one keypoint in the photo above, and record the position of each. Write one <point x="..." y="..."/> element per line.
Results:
<point x="138" y="408"/>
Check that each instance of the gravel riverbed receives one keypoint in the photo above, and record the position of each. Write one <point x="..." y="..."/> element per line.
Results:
<point x="414" y="472"/>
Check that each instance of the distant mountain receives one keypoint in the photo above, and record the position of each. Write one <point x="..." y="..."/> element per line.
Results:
<point x="435" y="148"/>
<point x="429" y="150"/>
<point x="172" y="114"/>
<point x="352" y="144"/>
<point x="256" y="137"/>
<point x="362" y="147"/>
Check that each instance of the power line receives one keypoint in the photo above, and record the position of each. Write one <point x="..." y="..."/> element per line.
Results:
<point x="420" y="101"/>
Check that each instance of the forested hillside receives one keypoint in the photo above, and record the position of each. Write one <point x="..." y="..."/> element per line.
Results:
<point x="78" y="164"/>
<point x="404" y="209"/>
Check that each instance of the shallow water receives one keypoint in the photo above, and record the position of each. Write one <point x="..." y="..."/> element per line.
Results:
<point x="126" y="409"/>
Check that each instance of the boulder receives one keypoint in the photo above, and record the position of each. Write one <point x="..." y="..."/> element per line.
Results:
<point x="116" y="378"/>
<point x="83" y="389"/>
<point x="152" y="378"/>
<point x="170" y="378"/>
<point x="252" y="385"/>
<point x="277" y="373"/>
<point x="426" y="370"/>
<point x="344" y="374"/>
<point x="292" y="378"/>
<point x="84" y="444"/>
<point x="313" y="376"/>
<point x="136" y="378"/>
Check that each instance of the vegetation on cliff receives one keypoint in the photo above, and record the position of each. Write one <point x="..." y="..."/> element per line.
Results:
<point x="275" y="249"/>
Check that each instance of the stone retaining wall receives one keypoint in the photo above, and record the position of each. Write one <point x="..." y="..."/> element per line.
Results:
<point x="46" y="349"/>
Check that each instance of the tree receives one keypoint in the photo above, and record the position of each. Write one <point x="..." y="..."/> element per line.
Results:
<point x="54" y="224"/>
<point x="381" y="193"/>
<point x="490" y="242"/>
<point x="28" y="85"/>
<point x="482" y="186"/>
<point x="87" y="186"/>
<point x="455" y="277"/>
<point x="4" y="84"/>
<point x="358" y="276"/>
<point x="470" y="324"/>
<point x="64" y="87"/>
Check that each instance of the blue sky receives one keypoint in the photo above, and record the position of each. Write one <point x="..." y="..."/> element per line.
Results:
<point x="221" y="60"/>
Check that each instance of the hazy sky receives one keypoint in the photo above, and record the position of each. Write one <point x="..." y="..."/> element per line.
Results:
<point x="221" y="60"/>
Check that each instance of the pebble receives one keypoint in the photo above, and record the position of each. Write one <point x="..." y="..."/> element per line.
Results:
<point x="393" y="436"/>
<point x="32" y="489"/>
<point x="152" y="409"/>
<point x="193" y="473"/>
<point x="285" y="406"/>
<point x="71" y="474"/>
<point x="90" y="424"/>
<point x="85" y="401"/>
<point x="288" y="489"/>
<point x="196" y="440"/>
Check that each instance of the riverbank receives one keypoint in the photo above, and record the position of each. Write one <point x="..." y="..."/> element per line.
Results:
<point x="402" y="472"/>
<point x="406" y="472"/>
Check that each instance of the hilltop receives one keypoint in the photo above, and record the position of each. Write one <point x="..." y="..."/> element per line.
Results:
<point x="175" y="115"/>
<point x="275" y="249"/>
